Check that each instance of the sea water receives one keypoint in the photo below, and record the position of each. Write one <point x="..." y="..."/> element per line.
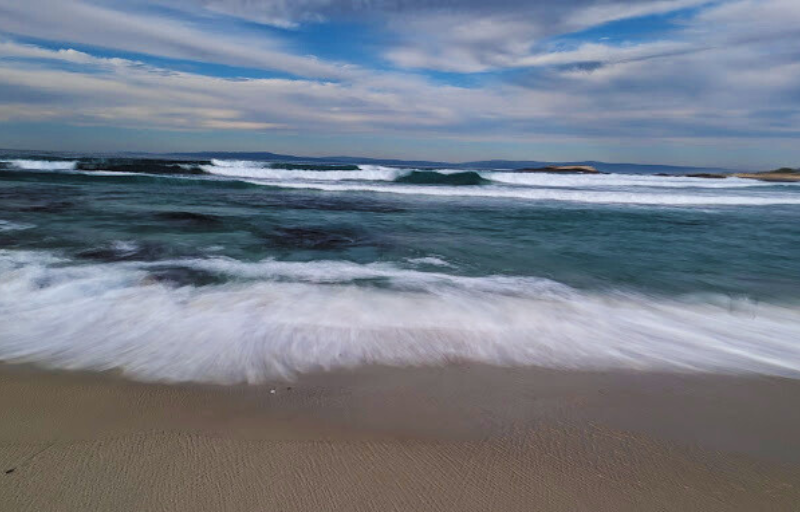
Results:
<point x="234" y="271"/>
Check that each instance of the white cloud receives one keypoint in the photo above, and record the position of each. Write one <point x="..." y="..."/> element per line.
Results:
<point x="632" y="99"/>
<point x="602" y="12"/>
<point x="81" y="22"/>
<point x="476" y="40"/>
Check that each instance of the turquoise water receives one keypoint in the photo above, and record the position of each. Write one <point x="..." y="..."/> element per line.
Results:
<point x="243" y="271"/>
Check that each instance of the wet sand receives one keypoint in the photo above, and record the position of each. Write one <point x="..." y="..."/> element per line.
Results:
<point x="464" y="437"/>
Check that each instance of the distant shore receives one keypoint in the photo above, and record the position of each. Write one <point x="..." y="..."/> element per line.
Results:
<point x="463" y="437"/>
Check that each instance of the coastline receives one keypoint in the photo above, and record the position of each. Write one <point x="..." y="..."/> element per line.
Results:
<point x="461" y="437"/>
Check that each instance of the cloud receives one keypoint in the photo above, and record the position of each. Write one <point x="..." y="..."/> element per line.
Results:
<point x="131" y="93"/>
<point x="503" y="36"/>
<point x="630" y="100"/>
<point x="81" y="22"/>
<point x="596" y="55"/>
<point x="726" y="72"/>
<point x="574" y="13"/>
<point x="604" y="12"/>
<point x="448" y="35"/>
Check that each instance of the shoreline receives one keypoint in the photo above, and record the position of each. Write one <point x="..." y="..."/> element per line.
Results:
<point x="459" y="437"/>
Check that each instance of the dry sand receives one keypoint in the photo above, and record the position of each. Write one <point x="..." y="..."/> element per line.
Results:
<point x="458" y="438"/>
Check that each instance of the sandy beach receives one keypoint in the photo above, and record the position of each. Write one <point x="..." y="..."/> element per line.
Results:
<point x="462" y="437"/>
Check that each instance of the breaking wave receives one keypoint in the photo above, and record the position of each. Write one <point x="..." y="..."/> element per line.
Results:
<point x="284" y="318"/>
<point x="594" y="189"/>
<point x="619" y="180"/>
<point x="41" y="165"/>
<point x="6" y="225"/>
<point x="140" y="165"/>
<point x="550" y="194"/>
<point x="266" y="171"/>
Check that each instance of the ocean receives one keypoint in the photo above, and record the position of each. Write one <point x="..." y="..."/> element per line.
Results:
<point x="226" y="271"/>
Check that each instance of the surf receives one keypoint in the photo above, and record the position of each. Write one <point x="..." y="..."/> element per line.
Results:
<point x="288" y="318"/>
<point x="554" y="195"/>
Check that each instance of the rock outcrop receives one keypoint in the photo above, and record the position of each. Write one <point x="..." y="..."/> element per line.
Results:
<point x="783" y="175"/>
<point x="707" y="175"/>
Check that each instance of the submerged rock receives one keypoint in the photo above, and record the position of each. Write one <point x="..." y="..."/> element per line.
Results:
<point x="182" y="276"/>
<point x="707" y="175"/>
<point x="191" y="218"/>
<point x="314" y="238"/>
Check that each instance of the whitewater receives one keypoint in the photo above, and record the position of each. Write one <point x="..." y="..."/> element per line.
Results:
<point x="629" y="189"/>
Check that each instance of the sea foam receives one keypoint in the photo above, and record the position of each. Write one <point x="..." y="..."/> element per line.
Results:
<point x="550" y="194"/>
<point x="253" y="170"/>
<point x="286" y="318"/>
<point x="42" y="165"/>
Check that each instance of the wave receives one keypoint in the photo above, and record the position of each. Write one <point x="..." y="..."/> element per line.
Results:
<point x="345" y="272"/>
<point x="41" y="165"/>
<point x="141" y="178"/>
<point x="115" y="315"/>
<point x="280" y="171"/>
<point x="314" y="172"/>
<point x="313" y="167"/>
<point x="6" y="225"/>
<point x="289" y="166"/>
<point x="605" y="189"/>
<point x="618" y="180"/>
<point x="259" y="170"/>
<point x="236" y="163"/>
<point x="119" y="165"/>
<point x="430" y="260"/>
<point x="577" y="196"/>
<point x="141" y="166"/>
<point x="465" y="178"/>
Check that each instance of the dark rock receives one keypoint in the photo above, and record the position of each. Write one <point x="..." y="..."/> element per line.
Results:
<point x="49" y="207"/>
<point x="706" y="175"/>
<point x="196" y="219"/>
<point x="467" y="178"/>
<point x="182" y="276"/>
<point x="314" y="238"/>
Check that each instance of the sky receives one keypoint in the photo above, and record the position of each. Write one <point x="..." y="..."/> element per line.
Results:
<point x="685" y="82"/>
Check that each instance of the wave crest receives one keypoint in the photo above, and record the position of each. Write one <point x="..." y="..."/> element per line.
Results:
<point x="291" y="319"/>
<point x="41" y="165"/>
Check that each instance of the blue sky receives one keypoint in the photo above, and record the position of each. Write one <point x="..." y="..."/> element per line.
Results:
<point x="653" y="81"/>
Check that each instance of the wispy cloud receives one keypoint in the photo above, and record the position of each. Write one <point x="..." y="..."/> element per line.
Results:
<point x="82" y="22"/>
